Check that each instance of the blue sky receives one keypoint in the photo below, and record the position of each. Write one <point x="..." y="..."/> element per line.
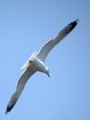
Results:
<point x="25" y="25"/>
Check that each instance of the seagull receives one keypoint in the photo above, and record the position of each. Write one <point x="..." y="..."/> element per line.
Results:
<point x="36" y="63"/>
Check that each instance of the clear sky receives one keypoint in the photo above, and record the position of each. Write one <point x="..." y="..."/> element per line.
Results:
<point x="25" y="25"/>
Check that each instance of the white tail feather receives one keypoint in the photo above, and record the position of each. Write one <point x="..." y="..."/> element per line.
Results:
<point x="27" y="64"/>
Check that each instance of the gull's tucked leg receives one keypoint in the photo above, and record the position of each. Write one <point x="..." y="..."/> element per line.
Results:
<point x="30" y="61"/>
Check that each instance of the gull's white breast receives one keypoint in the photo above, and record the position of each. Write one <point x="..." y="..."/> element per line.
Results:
<point x="38" y="65"/>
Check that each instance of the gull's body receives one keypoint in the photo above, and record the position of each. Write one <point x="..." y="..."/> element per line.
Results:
<point x="36" y="63"/>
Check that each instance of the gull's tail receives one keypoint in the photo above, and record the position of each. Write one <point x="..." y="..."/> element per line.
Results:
<point x="27" y="64"/>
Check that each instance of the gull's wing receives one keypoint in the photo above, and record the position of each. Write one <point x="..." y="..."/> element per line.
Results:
<point x="51" y="43"/>
<point x="20" y="85"/>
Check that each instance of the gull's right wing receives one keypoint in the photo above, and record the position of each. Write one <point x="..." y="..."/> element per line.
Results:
<point x="46" y="48"/>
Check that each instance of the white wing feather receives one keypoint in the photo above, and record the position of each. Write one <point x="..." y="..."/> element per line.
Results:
<point x="51" y="43"/>
<point x="20" y="85"/>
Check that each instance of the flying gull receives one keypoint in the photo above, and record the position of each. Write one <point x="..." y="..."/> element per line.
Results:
<point x="36" y="63"/>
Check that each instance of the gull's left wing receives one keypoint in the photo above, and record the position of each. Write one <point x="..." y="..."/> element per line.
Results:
<point x="20" y="86"/>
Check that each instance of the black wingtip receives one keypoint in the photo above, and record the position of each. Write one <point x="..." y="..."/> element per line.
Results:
<point x="73" y="24"/>
<point x="8" y="109"/>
